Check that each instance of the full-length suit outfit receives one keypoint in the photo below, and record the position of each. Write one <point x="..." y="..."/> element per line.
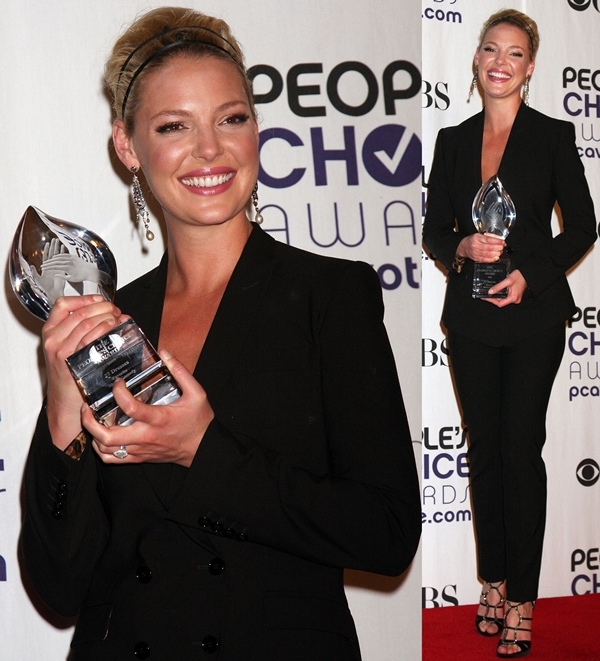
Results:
<point x="306" y="469"/>
<point x="504" y="360"/>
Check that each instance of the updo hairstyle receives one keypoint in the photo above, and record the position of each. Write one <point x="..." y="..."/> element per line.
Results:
<point x="518" y="19"/>
<point x="157" y="36"/>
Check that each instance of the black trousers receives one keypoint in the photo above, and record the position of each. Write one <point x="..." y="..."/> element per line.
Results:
<point x="504" y="394"/>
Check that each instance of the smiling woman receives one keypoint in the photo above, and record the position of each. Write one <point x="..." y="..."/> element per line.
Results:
<point x="511" y="339"/>
<point x="220" y="523"/>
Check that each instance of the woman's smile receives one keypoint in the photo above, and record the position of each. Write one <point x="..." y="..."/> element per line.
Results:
<point x="208" y="182"/>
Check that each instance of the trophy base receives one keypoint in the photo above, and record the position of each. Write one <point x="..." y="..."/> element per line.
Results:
<point x="126" y="354"/>
<point x="485" y="276"/>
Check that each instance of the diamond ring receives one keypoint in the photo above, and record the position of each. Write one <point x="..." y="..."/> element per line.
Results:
<point x="121" y="453"/>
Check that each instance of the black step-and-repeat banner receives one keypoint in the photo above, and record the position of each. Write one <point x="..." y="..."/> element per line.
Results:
<point x="565" y="84"/>
<point x="338" y="87"/>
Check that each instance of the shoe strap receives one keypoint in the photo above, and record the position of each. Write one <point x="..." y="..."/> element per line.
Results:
<point x="506" y="628"/>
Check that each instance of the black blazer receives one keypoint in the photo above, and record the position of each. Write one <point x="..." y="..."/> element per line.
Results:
<point x="540" y="166"/>
<point x="307" y="468"/>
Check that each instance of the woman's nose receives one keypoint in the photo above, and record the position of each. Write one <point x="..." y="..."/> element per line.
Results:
<point x="207" y="145"/>
<point x="500" y="57"/>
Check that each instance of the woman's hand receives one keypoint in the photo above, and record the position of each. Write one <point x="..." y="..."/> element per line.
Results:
<point x="485" y="248"/>
<point x="516" y="285"/>
<point x="161" y="433"/>
<point x="74" y="321"/>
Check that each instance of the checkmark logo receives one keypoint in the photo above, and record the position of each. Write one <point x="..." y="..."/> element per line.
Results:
<point x="392" y="155"/>
<point x="391" y="162"/>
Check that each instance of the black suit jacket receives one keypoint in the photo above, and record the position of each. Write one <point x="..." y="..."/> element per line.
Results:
<point x="540" y="166"/>
<point x="307" y="468"/>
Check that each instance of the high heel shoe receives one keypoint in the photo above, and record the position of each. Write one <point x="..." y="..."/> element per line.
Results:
<point x="508" y="639"/>
<point x="494" y="619"/>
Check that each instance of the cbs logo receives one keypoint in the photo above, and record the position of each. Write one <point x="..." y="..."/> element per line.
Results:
<point x="588" y="472"/>
<point x="582" y="5"/>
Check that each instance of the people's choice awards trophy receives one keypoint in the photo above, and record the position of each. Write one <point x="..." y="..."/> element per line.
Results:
<point x="51" y="258"/>
<point x="493" y="213"/>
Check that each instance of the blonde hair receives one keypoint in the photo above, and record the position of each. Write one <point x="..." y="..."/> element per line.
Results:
<point x="157" y="36"/>
<point x="520" y="20"/>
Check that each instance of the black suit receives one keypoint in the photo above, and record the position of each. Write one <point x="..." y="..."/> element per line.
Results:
<point x="540" y="167"/>
<point x="307" y="468"/>
<point x="504" y="360"/>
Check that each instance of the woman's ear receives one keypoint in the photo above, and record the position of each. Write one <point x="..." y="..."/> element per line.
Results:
<point x="123" y="145"/>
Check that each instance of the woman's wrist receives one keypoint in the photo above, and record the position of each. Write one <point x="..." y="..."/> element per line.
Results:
<point x="459" y="257"/>
<point x="63" y="425"/>
<point x="77" y="446"/>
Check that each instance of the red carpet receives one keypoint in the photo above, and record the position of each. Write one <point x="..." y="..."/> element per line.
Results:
<point x="564" y="629"/>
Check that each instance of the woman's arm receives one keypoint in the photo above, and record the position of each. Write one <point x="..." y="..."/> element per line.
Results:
<point x="364" y="511"/>
<point x="361" y="509"/>
<point x="64" y="528"/>
<point x="439" y="228"/>
<point x="551" y="261"/>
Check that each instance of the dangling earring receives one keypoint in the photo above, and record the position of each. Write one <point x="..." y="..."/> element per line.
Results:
<point x="139" y="203"/>
<point x="257" y="216"/>
<point x="526" y="91"/>
<point x="473" y="84"/>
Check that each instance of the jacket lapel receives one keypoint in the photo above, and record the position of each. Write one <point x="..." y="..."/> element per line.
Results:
<point x="237" y="312"/>
<point x="518" y="152"/>
<point x="513" y="152"/>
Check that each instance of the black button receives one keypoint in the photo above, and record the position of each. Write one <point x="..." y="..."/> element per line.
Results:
<point x="60" y="496"/>
<point x="216" y="566"/>
<point x="242" y="537"/>
<point x="204" y="521"/>
<point x="56" y="513"/>
<point x="210" y="644"/>
<point x="229" y="532"/>
<point x="217" y="527"/>
<point x="141" y="650"/>
<point x="143" y="575"/>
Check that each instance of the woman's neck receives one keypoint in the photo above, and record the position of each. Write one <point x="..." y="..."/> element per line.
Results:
<point x="500" y="113"/>
<point x="202" y="258"/>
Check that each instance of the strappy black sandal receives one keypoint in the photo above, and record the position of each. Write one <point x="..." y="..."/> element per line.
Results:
<point x="511" y="639"/>
<point x="493" y="608"/>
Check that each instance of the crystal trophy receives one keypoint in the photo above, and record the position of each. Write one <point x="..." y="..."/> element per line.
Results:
<point x="51" y="258"/>
<point x="493" y="213"/>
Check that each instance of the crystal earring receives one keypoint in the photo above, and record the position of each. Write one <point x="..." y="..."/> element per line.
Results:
<point x="526" y="91"/>
<point x="473" y="84"/>
<point x="139" y="203"/>
<point x="257" y="216"/>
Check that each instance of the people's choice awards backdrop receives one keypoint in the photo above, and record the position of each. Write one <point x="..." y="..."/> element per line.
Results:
<point x="565" y="84"/>
<point x="338" y="88"/>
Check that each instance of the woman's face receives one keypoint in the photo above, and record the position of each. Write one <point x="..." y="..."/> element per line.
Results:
<point x="504" y="61"/>
<point x="196" y="140"/>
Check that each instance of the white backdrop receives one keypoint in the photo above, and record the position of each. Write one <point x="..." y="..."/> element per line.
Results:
<point x="565" y="84"/>
<point x="345" y="127"/>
